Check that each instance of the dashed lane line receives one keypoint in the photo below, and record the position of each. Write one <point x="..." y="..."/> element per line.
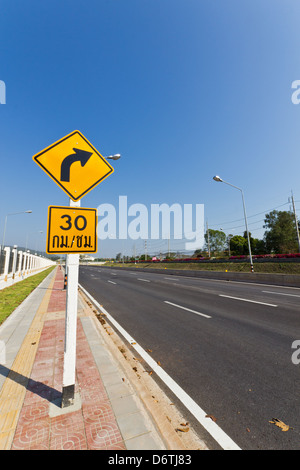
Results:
<point x="247" y="300"/>
<point x="188" y="309"/>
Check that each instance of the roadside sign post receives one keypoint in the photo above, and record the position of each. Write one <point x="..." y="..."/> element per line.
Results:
<point x="76" y="167"/>
<point x="73" y="230"/>
<point x="72" y="266"/>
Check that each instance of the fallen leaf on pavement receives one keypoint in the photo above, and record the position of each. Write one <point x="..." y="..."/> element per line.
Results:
<point x="182" y="430"/>
<point x="211" y="417"/>
<point x="280" y="424"/>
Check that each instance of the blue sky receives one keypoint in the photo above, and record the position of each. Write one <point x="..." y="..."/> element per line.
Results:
<point x="183" y="89"/>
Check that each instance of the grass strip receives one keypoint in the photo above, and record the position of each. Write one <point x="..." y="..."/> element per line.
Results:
<point x="12" y="296"/>
<point x="259" y="267"/>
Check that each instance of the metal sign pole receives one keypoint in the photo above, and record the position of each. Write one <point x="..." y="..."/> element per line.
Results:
<point x="72" y="265"/>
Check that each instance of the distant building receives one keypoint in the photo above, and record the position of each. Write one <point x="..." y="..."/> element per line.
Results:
<point x="87" y="258"/>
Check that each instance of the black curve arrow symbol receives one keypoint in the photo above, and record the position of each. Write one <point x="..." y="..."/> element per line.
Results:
<point x="81" y="156"/>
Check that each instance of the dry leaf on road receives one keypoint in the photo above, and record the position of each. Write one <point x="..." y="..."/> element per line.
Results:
<point x="182" y="430"/>
<point x="280" y="424"/>
<point x="211" y="417"/>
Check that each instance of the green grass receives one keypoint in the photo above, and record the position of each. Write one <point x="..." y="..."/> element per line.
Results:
<point x="271" y="267"/>
<point x="12" y="296"/>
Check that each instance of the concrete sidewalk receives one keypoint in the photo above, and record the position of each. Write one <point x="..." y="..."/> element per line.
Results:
<point x="107" y="413"/>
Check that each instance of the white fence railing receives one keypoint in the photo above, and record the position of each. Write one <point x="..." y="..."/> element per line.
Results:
<point x="16" y="265"/>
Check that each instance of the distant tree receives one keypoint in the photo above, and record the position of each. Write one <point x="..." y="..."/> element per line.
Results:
<point x="280" y="236"/>
<point x="144" y="257"/>
<point x="239" y="245"/>
<point x="199" y="253"/>
<point x="217" y="240"/>
<point x="258" y="247"/>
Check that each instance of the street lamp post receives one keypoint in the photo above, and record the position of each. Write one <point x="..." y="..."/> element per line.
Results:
<point x="116" y="156"/>
<point x="217" y="178"/>
<point x="13" y="213"/>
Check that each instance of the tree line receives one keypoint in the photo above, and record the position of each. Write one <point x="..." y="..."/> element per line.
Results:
<point x="280" y="237"/>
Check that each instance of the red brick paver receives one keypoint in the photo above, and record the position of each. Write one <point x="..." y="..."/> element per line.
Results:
<point x="93" y="426"/>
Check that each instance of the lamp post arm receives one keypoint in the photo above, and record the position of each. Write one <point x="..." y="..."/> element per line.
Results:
<point x="12" y="213"/>
<point x="4" y="232"/>
<point x="232" y="185"/>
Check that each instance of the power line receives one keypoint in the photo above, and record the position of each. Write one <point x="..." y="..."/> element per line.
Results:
<point x="254" y="215"/>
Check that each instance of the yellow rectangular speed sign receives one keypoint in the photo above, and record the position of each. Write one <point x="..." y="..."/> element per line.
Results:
<point x="71" y="230"/>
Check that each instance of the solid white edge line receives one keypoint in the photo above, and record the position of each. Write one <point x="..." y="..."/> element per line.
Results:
<point x="211" y="427"/>
<point x="247" y="300"/>
<point x="188" y="309"/>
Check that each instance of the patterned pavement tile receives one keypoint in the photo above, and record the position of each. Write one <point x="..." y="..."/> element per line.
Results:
<point x="68" y="432"/>
<point x="93" y="426"/>
<point x="104" y="435"/>
<point x="32" y="436"/>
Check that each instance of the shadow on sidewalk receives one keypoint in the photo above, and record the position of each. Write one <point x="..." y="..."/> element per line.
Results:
<point x="53" y="288"/>
<point x="38" y="388"/>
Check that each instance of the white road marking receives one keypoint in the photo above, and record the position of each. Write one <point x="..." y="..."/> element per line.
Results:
<point x="188" y="309"/>
<point x="145" y="280"/>
<point x="112" y="282"/>
<point x="280" y="293"/>
<point x="247" y="300"/>
<point x="214" y="430"/>
<point x="170" y="279"/>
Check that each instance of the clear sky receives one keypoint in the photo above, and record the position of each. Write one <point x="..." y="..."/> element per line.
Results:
<point x="183" y="89"/>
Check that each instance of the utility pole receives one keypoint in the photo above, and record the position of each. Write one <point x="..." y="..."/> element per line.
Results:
<point x="208" y="239"/>
<point x="296" y="222"/>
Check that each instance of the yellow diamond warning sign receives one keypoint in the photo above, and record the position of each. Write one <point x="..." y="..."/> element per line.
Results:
<point x="71" y="230"/>
<point x="74" y="164"/>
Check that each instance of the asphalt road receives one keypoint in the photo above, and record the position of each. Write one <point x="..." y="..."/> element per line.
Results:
<point x="228" y="345"/>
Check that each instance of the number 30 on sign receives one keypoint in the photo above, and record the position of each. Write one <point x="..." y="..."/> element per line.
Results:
<point x="71" y="230"/>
